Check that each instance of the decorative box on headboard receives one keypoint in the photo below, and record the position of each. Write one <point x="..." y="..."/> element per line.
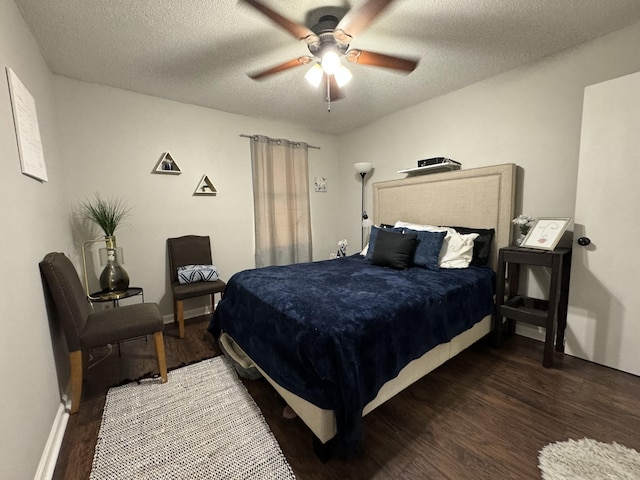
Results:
<point x="435" y="161"/>
<point x="433" y="165"/>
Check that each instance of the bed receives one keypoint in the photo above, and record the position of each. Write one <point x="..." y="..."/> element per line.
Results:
<point x="303" y="326"/>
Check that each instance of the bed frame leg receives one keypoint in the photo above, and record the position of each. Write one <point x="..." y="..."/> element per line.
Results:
<point x="323" y="451"/>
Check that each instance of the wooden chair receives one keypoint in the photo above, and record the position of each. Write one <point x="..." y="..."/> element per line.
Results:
<point x="190" y="250"/>
<point x="85" y="329"/>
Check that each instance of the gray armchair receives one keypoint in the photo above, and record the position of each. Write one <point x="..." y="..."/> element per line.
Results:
<point x="190" y="250"/>
<point x="85" y="329"/>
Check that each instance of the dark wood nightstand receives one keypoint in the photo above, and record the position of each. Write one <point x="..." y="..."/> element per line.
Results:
<point x="550" y="314"/>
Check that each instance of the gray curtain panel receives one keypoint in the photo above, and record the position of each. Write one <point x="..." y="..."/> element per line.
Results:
<point x="281" y="201"/>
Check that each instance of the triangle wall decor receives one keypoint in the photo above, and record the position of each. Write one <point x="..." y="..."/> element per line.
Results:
<point x="167" y="165"/>
<point x="205" y="187"/>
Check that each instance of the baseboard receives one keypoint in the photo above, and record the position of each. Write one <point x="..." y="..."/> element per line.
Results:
<point x="191" y="313"/>
<point x="530" y="331"/>
<point x="49" y="456"/>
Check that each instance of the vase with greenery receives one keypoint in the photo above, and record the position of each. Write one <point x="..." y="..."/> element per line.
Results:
<point x="108" y="214"/>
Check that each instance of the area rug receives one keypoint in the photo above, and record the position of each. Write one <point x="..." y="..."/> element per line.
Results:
<point x="588" y="459"/>
<point x="201" y="424"/>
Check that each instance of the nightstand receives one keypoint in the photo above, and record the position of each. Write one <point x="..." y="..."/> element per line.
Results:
<point x="550" y="314"/>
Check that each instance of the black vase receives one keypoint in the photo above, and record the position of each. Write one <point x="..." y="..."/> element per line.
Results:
<point x="114" y="277"/>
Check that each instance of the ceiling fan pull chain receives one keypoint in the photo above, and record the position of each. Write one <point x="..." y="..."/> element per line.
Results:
<point x="328" y="95"/>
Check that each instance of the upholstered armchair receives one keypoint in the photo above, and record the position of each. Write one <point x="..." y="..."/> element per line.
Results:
<point x="85" y="329"/>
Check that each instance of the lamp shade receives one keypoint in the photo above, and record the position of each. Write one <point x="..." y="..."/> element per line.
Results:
<point x="330" y="62"/>
<point x="342" y="76"/>
<point x="362" y="167"/>
<point x="314" y="75"/>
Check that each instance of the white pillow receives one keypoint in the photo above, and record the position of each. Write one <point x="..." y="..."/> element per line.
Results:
<point x="364" y="250"/>
<point x="457" y="249"/>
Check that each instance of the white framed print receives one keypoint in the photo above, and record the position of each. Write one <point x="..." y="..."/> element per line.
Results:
<point x="320" y="184"/>
<point x="545" y="233"/>
<point x="27" y="129"/>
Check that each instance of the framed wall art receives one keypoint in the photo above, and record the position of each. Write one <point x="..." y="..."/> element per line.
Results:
<point x="320" y="184"/>
<point x="546" y="233"/>
<point x="27" y="129"/>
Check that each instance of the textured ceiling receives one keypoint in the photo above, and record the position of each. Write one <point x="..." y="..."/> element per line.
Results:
<point x="199" y="51"/>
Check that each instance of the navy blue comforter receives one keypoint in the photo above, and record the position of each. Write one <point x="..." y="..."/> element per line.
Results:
<point x="333" y="332"/>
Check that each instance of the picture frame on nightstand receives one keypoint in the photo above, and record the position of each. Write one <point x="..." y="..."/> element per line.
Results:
<point x="545" y="233"/>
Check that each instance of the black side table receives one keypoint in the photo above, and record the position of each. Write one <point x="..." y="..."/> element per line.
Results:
<point x="115" y="297"/>
<point x="550" y="314"/>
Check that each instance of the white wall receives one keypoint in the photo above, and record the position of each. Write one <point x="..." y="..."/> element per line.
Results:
<point x="34" y="222"/>
<point x="111" y="141"/>
<point x="530" y="116"/>
<point x="99" y="139"/>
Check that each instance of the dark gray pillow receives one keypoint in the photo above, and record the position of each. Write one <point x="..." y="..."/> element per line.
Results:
<point x="428" y="245"/>
<point x="481" y="245"/>
<point x="373" y="235"/>
<point x="393" y="249"/>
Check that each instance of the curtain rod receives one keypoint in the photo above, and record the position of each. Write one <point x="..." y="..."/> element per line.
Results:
<point x="251" y="136"/>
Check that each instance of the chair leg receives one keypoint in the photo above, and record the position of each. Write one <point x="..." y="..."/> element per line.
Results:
<point x="179" y="313"/>
<point x="175" y="311"/>
<point x="158" y="339"/>
<point x="75" y="360"/>
<point x="213" y="300"/>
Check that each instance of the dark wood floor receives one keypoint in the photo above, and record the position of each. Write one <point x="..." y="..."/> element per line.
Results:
<point x="483" y="415"/>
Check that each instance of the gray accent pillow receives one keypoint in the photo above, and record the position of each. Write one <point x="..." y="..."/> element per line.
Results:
<point x="373" y="236"/>
<point x="393" y="249"/>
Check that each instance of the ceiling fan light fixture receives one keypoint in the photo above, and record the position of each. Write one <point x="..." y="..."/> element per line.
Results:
<point x="330" y="62"/>
<point x="342" y="76"/>
<point x="328" y="41"/>
<point x="314" y="75"/>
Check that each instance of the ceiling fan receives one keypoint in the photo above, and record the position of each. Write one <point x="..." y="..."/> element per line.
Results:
<point x="328" y="39"/>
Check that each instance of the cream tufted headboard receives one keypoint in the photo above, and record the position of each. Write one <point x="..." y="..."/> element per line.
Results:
<point x="479" y="198"/>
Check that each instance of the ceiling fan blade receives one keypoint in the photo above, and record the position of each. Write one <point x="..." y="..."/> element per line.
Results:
<point x="296" y="62"/>
<point x="298" y="31"/>
<point x="334" y="90"/>
<point x="363" y="57"/>
<point x="356" y="20"/>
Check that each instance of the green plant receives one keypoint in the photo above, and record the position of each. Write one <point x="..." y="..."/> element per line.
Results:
<point x="107" y="213"/>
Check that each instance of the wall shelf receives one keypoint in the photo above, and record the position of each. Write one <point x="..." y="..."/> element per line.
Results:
<point x="167" y="165"/>
<point x="445" y="166"/>
<point x="205" y="187"/>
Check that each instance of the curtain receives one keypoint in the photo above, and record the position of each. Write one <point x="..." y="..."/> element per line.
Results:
<point x="281" y="201"/>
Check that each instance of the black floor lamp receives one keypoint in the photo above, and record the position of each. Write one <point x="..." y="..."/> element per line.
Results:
<point x="363" y="168"/>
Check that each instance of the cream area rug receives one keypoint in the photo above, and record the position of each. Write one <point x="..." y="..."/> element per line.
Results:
<point x="588" y="459"/>
<point x="201" y="424"/>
